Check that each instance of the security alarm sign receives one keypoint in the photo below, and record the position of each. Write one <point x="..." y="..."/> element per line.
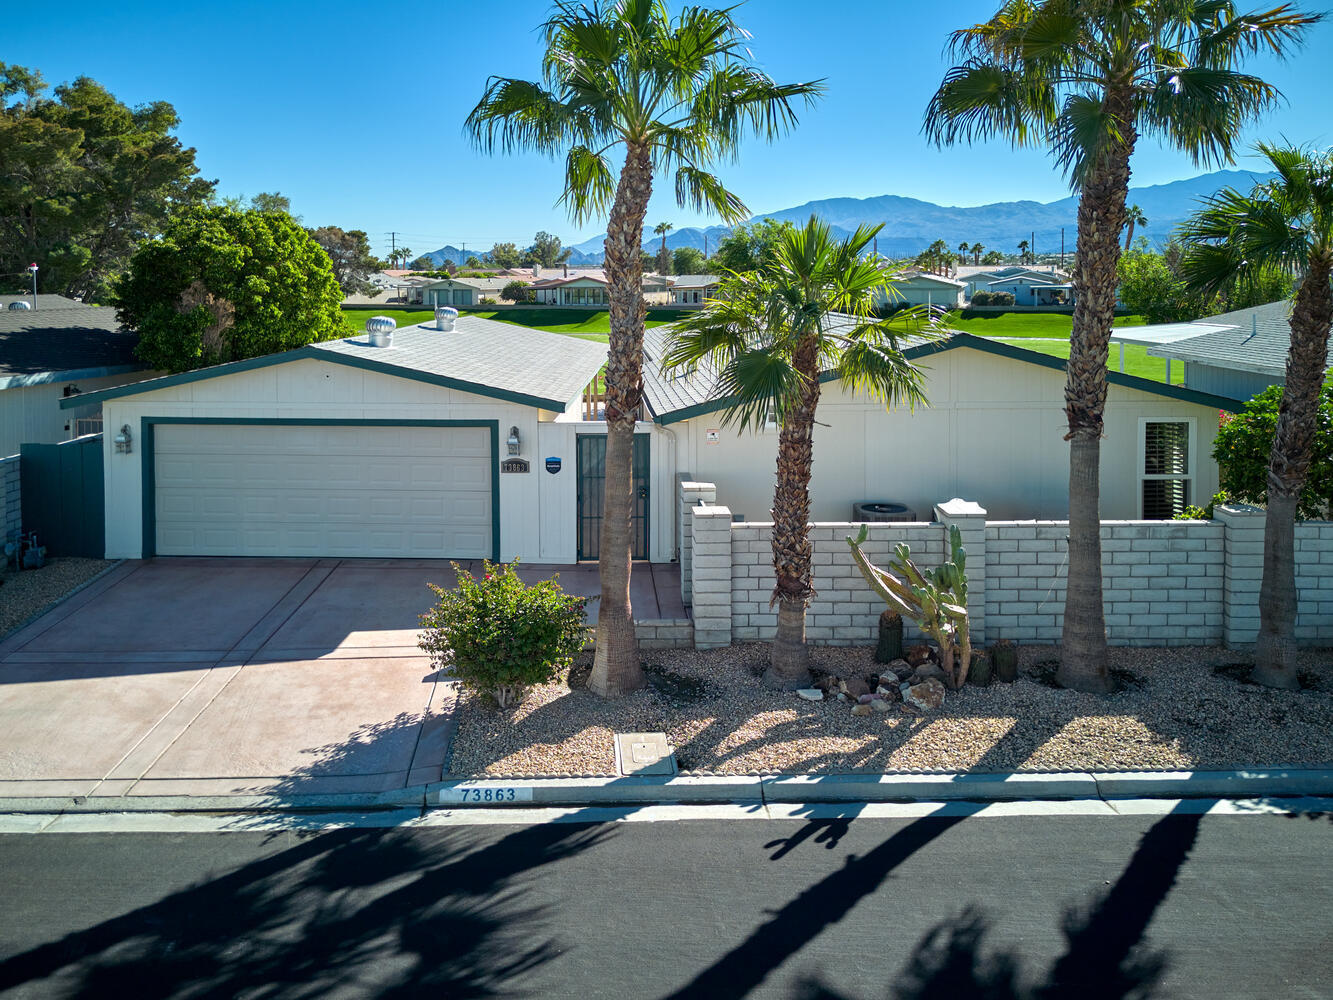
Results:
<point x="712" y="436"/>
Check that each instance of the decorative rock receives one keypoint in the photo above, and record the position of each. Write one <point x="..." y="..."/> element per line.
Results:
<point x="811" y="694"/>
<point x="854" y="686"/>
<point x="899" y="666"/>
<point x="890" y="693"/>
<point x="862" y="709"/>
<point x="926" y="671"/>
<point x="917" y="655"/>
<point x="843" y="697"/>
<point x="865" y="699"/>
<point x="882" y="705"/>
<point x="927" y="695"/>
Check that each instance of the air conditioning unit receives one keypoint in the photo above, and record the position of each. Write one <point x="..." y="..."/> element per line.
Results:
<point x="882" y="510"/>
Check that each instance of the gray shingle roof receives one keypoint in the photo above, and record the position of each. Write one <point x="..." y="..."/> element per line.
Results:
<point x="45" y="301"/>
<point x="1254" y="340"/>
<point x="502" y="356"/>
<point x="62" y="337"/>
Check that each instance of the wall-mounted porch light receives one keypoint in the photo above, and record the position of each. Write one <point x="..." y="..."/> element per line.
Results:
<point x="514" y="442"/>
<point x="124" y="440"/>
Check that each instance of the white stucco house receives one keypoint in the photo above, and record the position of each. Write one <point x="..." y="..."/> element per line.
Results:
<point x="469" y="443"/>
<point x="921" y="288"/>
<point x="457" y="291"/>
<point x="693" y="289"/>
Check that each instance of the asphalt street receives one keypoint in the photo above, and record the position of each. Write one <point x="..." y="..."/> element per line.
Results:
<point x="832" y="908"/>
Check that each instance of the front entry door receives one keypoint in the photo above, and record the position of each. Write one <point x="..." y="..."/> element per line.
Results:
<point x="591" y="483"/>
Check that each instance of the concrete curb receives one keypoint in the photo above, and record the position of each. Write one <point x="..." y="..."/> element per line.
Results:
<point x="745" y="790"/>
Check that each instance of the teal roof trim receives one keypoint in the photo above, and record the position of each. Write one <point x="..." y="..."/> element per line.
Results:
<point x="311" y="353"/>
<point x="1005" y="351"/>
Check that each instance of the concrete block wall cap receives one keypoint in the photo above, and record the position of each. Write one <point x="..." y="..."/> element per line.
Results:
<point x="958" y="507"/>
<point x="688" y="485"/>
<point x="1237" y="509"/>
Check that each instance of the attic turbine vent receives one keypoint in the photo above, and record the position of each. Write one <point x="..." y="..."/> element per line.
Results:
<point x="380" y="330"/>
<point x="19" y="306"/>
<point x="445" y="317"/>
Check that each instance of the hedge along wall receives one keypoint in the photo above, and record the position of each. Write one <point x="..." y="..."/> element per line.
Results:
<point x="1164" y="582"/>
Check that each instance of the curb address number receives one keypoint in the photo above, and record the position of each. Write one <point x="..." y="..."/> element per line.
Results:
<point x="492" y="795"/>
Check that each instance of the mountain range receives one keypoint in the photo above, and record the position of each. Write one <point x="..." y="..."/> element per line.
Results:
<point x="911" y="225"/>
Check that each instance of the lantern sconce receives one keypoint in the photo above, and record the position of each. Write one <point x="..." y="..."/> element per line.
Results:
<point x="124" y="440"/>
<point x="514" y="442"/>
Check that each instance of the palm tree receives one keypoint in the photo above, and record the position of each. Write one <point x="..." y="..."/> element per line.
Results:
<point x="661" y="229"/>
<point x="963" y="250"/>
<point x="1286" y="225"/>
<point x="1023" y="251"/>
<point x="976" y="251"/>
<point x="1086" y="79"/>
<point x="670" y="95"/>
<point x="1133" y="217"/>
<point x="769" y="335"/>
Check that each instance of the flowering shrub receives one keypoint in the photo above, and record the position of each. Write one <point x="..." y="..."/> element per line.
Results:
<point x="500" y="636"/>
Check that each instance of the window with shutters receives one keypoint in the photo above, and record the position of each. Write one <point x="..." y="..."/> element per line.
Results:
<point x="1166" y="468"/>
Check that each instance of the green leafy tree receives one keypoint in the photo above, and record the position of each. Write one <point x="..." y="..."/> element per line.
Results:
<point x="1087" y="78"/>
<point x="515" y="291"/>
<point x="1244" y="449"/>
<point x="1287" y="224"/>
<point x="770" y="334"/>
<point x="546" y="251"/>
<point x="422" y="263"/>
<point x="1149" y="287"/>
<point x="222" y="285"/>
<point x="672" y="95"/>
<point x="505" y="255"/>
<point x="687" y="260"/>
<point x="749" y="247"/>
<point x="350" y="256"/>
<point x="83" y="180"/>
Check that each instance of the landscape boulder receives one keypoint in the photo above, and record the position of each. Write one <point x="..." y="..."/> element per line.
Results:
<point x="927" y="696"/>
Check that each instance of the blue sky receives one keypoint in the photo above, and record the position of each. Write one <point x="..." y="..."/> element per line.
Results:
<point x="355" y="111"/>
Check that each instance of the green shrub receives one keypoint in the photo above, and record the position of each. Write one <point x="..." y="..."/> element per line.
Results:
<point x="1193" y="513"/>
<point x="499" y="636"/>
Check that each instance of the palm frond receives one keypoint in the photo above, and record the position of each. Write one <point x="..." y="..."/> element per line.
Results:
<point x="704" y="192"/>
<point x="590" y="186"/>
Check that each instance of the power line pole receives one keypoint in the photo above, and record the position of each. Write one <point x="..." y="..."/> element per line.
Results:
<point x="1062" y="248"/>
<point x="393" y="246"/>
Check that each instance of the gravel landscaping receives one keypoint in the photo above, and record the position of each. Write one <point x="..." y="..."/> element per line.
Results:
<point x="1183" y="707"/>
<point x="25" y="594"/>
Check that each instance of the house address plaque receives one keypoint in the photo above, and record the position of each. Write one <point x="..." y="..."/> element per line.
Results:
<point x="514" y="465"/>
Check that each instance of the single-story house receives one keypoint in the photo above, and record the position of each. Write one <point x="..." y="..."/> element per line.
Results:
<point x="693" y="289"/>
<point x="457" y="291"/>
<point x="576" y="290"/>
<point x="1025" y="288"/>
<point x="979" y="278"/>
<point x="1237" y="354"/>
<point x="993" y="430"/>
<point x="60" y="350"/>
<point x="469" y="442"/>
<point x="921" y="288"/>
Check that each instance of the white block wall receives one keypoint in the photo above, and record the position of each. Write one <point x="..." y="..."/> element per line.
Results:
<point x="11" y="508"/>
<point x="1164" y="582"/>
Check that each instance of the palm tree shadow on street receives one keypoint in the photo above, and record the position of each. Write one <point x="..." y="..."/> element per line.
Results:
<point x="1105" y="956"/>
<point x="372" y="913"/>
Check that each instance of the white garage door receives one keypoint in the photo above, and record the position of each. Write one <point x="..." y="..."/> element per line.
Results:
<point x="272" y="490"/>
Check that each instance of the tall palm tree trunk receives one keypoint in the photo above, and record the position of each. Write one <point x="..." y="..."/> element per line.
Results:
<point x="1101" y="216"/>
<point x="1293" y="445"/>
<point x="1129" y="233"/>
<point x="789" y="662"/>
<point x="616" y="668"/>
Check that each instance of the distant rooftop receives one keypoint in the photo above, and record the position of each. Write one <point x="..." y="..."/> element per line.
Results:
<point x="1250" y="340"/>
<point x="61" y="340"/>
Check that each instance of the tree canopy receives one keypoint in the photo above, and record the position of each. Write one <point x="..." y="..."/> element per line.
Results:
<point x="687" y="260"/>
<point x="85" y="179"/>
<point x="505" y="255"/>
<point x="349" y="253"/>
<point x="546" y="251"/>
<point x="222" y="285"/>
<point x="749" y="247"/>
<point x="1244" y="444"/>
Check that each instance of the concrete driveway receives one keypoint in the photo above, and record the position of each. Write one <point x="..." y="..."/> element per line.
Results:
<point x="232" y="677"/>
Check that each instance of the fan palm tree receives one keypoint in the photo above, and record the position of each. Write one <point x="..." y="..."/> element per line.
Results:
<point x="977" y="249"/>
<point x="1086" y="78"/>
<point x="1023" y="251"/>
<point x="1285" y="224"/>
<point x="769" y="335"/>
<point x="1133" y="217"/>
<point x="625" y="78"/>
<point x="963" y="250"/>
<point x="661" y="229"/>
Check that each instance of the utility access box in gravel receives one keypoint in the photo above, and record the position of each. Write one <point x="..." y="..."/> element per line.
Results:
<point x="644" y="753"/>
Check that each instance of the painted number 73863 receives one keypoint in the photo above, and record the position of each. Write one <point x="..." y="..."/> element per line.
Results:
<point x="491" y="795"/>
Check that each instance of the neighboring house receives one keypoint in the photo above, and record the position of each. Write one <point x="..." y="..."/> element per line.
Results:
<point x="693" y="289"/>
<point x="458" y="291"/>
<point x="579" y="290"/>
<point x="342" y="449"/>
<point x="1237" y="354"/>
<point x="1029" y="290"/>
<point x="979" y="278"/>
<point x="993" y="430"/>
<point x="52" y="353"/>
<point x="921" y="288"/>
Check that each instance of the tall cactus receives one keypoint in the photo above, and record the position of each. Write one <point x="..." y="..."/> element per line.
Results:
<point x="937" y="600"/>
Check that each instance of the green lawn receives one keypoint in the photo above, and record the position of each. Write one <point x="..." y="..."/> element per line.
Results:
<point x="588" y="324"/>
<point x="1137" y="361"/>
<point x="1020" y="324"/>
